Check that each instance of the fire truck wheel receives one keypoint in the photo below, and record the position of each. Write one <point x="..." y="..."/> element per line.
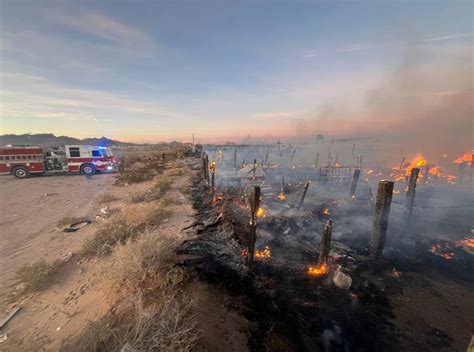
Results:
<point x="21" y="172"/>
<point x="88" y="169"/>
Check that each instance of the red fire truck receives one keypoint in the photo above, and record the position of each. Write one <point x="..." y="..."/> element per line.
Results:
<point x="86" y="159"/>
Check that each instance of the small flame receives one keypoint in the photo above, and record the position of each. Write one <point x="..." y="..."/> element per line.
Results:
<point x="396" y="273"/>
<point x="442" y="250"/>
<point x="319" y="270"/>
<point x="261" y="213"/>
<point x="466" y="242"/>
<point x="326" y="211"/>
<point x="265" y="253"/>
<point x="282" y="196"/>
<point x="260" y="254"/>
<point x="464" y="158"/>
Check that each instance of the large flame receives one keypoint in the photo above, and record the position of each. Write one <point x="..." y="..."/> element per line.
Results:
<point x="319" y="270"/>
<point x="466" y="242"/>
<point x="281" y="196"/>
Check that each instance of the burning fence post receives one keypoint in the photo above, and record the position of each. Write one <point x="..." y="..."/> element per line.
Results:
<point x="266" y="159"/>
<point x="462" y="167"/>
<point x="410" y="200"/>
<point x="329" y="155"/>
<point x="355" y="181"/>
<point x="212" y="167"/>
<point x="380" y="224"/>
<point x="325" y="244"/>
<point x="303" y="196"/>
<point x="254" y="200"/>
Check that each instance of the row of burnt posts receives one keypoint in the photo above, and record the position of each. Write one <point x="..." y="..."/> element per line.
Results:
<point x="381" y="211"/>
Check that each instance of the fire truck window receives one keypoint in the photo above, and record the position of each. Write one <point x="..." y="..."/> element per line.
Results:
<point x="7" y="158"/>
<point x="1" y="157"/>
<point x="23" y="157"/>
<point x="96" y="153"/>
<point x="74" y="152"/>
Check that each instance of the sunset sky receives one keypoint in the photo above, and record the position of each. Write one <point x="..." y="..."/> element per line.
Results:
<point x="155" y="70"/>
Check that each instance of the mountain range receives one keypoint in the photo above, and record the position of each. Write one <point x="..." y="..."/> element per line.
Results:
<point x="49" y="139"/>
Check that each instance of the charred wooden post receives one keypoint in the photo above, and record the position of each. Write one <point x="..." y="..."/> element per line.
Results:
<point x="355" y="181"/>
<point x="205" y="168"/>
<point x="293" y="155"/>
<point x="410" y="200"/>
<point x="462" y="167"/>
<point x="254" y="200"/>
<point x="235" y="158"/>
<point x="401" y="164"/>
<point x="380" y="224"/>
<point x="360" y="161"/>
<point x="303" y="196"/>
<point x="472" y="166"/>
<point x="329" y="155"/>
<point x="353" y="151"/>
<point x="316" y="160"/>
<point x="335" y="160"/>
<point x="254" y="170"/>
<point x="325" y="244"/>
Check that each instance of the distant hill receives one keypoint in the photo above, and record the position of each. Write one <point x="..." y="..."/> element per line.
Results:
<point x="49" y="139"/>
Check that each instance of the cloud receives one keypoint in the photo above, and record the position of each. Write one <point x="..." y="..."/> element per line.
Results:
<point x="104" y="27"/>
<point x="384" y="46"/>
<point x="275" y="115"/>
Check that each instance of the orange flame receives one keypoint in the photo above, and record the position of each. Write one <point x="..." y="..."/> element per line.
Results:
<point x="326" y="211"/>
<point x="281" y="196"/>
<point x="265" y="253"/>
<point x="466" y="242"/>
<point x="319" y="270"/>
<point x="442" y="250"/>
<point x="261" y="213"/>
<point x="464" y="158"/>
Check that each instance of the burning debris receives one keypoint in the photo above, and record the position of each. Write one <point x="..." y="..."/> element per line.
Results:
<point x="278" y="225"/>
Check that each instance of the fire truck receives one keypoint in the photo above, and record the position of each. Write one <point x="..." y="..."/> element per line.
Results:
<point x="21" y="162"/>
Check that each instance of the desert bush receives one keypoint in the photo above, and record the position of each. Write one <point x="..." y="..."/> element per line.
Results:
<point x="115" y="230"/>
<point x="142" y="266"/>
<point x="145" y="214"/>
<point x="167" y="326"/>
<point x="105" y="198"/>
<point x="35" y="276"/>
<point x="161" y="186"/>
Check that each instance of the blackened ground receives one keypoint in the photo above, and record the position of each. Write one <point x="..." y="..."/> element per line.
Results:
<point x="292" y="311"/>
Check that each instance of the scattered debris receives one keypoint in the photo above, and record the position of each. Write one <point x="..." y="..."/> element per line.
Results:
<point x="77" y="226"/>
<point x="9" y="316"/>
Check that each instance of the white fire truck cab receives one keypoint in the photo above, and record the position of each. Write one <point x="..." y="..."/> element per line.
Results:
<point x="86" y="159"/>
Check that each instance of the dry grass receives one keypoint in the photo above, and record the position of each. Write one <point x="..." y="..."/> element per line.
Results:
<point x="105" y="198"/>
<point x="160" y="317"/>
<point x="161" y="185"/>
<point x="113" y="231"/>
<point x="122" y="227"/>
<point x="141" y="266"/>
<point x="35" y="276"/>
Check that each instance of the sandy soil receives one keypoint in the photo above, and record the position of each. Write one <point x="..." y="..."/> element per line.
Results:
<point x="29" y="212"/>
